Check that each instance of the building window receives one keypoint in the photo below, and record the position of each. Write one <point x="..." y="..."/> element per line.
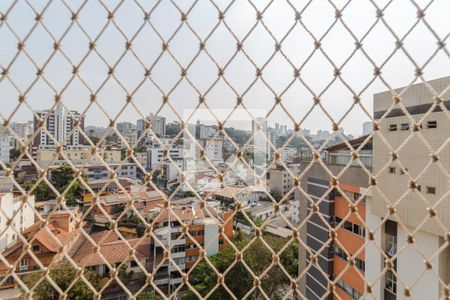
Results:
<point x="23" y="265"/>
<point x="198" y="232"/>
<point x="133" y="264"/>
<point x="431" y="190"/>
<point x="178" y="248"/>
<point x="393" y="127"/>
<point x="354" y="294"/>
<point x="37" y="248"/>
<point x="404" y="126"/>
<point x="391" y="170"/>
<point x="191" y="258"/>
<point x="360" y="264"/>
<point x="348" y="226"/>
<point x="179" y="261"/>
<point x="391" y="282"/>
<point x="175" y="235"/>
<point x="390" y="230"/>
<point x="431" y="124"/>
<point x="354" y="228"/>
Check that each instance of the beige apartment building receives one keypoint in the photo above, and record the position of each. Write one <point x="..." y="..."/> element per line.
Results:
<point x="77" y="155"/>
<point x="417" y="187"/>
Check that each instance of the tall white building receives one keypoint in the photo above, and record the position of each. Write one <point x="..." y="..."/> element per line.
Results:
<point x="410" y="236"/>
<point x="4" y="148"/>
<point x="213" y="148"/>
<point x="259" y="132"/>
<point x="158" y="125"/>
<point x="130" y="137"/>
<point x="207" y="131"/>
<point x="59" y="124"/>
<point x="156" y="154"/>
<point x="322" y="135"/>
<point x="23" y="130"/>
<point x="22" y="217"/>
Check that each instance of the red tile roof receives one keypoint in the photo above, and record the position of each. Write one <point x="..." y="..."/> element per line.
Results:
<point x="112" y="248"/>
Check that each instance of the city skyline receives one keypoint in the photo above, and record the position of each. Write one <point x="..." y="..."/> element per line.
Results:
<point x="312" y="160"/>
<point x="297" y="100"/>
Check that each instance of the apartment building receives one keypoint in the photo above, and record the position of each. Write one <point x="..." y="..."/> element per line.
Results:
<point x="99" y="171"/>
<point x="288" y="154"/>
<point x="409" y="233"/>
<point x="158" y="125"/>
<point x="156" y="154"/>
<point x="61" y="125"/>
<point x="23" y="130"/>
<point x="333" y="211"/>
<point x="77" y="155"/>
<point x="280" y="179"/>
<point x="213" y="149"/>
<point x="207" y="132"/>
<point x="21" y="216"/>
<point x="204" y="229"/>
<point x="129" y="139"/>
<point x="4" y="148"/>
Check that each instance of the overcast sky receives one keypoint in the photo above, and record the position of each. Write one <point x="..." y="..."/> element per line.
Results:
<point x="279" y="17"/>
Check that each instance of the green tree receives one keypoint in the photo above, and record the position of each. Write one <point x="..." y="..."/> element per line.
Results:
<point x="276" y="194"/>
<point x="172" y="129"/>
<point x="42" y="191"/>
<point x="148" y="296"/>
<point x="60" y="178"/>
<point x="93" y="139"/>
<point x="239" y="136"/>
<point x="258" y="257"/>
<point x="140" y="149"/>
<point x="124" y="275"/>
<point x="63" y="274"/>
<point x="140" y="226"/>
<point x="13" y="154"/>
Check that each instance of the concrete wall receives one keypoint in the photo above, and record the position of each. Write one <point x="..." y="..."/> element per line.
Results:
<point x="414" y="157"/>
<point x="211" y="238"/>
<point x="374" y="260"/>
<point x="410" y="264"/>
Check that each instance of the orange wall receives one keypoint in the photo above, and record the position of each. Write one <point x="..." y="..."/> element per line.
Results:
<point x="349" y="187"/>
<point x="350" y="242"/>
<point x="341" y="209"/>
<point x="342" y="295"/>
<point x="228" y="224"/>
<point x="350" y="276"/>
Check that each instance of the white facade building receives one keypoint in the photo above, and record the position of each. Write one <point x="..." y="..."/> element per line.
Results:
<point x="4" y="148"/>
<point x="213" y="149"/>
<point x="207" y="131"/>
<point x="23" y="130"/>
<point x="412" y="200"/>
<point x="155" y="155"/>
<point x="288" y="154"/>
<point x="61" y="126"/>
<point x="22" y="217"/>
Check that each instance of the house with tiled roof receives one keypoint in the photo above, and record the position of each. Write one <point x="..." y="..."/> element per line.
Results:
<point x="113" y="203"/>
<point x="106" y="249"/>
<point x="46" y="243"/>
